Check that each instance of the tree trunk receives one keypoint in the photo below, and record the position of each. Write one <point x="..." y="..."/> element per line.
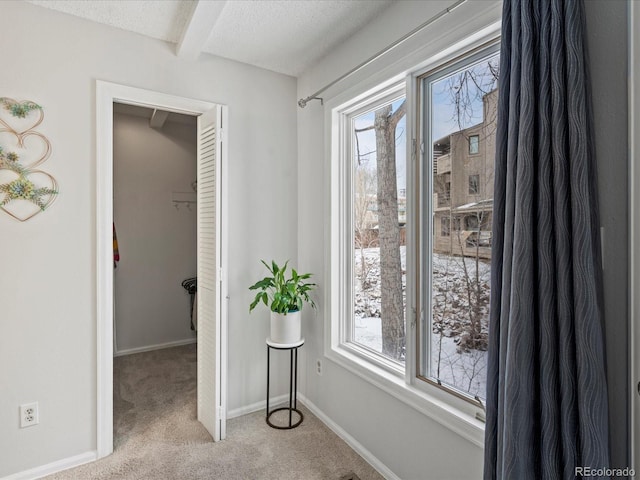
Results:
<point x="392" y="315"/>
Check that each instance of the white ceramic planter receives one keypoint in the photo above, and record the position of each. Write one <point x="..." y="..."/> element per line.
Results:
<point x="287" y="328"/>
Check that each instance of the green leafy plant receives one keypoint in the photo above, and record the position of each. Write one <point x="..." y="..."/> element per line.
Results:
<point x="24" y="189"/>
<point x="282" y="294"/>
<point x="19" y="109"/>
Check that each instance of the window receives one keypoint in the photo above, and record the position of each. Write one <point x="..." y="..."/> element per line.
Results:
<point x="375" y="325"/>
<point x="455" y="296"/>
<point x="474" y="144"/>
<point x="474" y="184"/>
<point x="474" y="221"/>
<point x="408" y="287"/>
<point x="445" y="225"/>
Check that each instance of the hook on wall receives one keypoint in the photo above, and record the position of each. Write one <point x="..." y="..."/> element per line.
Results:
<point x="188" y="203"/>
<point x="183" y="199"/>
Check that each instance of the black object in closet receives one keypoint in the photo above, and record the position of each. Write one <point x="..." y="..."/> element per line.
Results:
<point x="191" y="286"/>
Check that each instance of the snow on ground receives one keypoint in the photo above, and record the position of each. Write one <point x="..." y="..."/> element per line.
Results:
<point x="464" y="369"/>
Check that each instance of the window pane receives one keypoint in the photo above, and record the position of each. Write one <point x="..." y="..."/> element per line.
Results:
<point x="379" y="223"/>
<point x="474" y="184"/>
<point x="462" y="104"/>
<point x="474" y="144"/>
<point x="446" y="226"/>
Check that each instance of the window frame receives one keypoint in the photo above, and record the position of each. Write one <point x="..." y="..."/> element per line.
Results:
<point x="476" y="184"/>
<point x="454" y="413"/>
<point x="424" y="238"/>
<point x="445" y="226"/>
<point x="477" y="144"/>
<point x="381" y="97"/>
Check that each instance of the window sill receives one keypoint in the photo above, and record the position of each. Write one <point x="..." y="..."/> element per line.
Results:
<point x="459" y="420"/>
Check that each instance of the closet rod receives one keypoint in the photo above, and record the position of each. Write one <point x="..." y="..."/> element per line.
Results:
<point x="303" y="101"/>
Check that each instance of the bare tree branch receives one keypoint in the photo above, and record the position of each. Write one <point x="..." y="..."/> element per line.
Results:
<point x="398" y="114"/>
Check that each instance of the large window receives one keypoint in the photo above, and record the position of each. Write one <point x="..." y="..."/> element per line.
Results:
<point x="377" y="134"/>
<point x="459" y="109"/>
<point x="411" y="213"/>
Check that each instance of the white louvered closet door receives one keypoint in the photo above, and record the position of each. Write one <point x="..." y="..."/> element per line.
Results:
<point x="210" y="411"/>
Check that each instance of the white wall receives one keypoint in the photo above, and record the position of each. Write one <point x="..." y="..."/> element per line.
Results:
<point x="157" y="242"/>
<point x="48" y="264"/>
<point x="407" y="442"/>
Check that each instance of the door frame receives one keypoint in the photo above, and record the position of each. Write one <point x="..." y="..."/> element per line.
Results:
<point x="106" y="94"/>
<point x="634" y="232"/>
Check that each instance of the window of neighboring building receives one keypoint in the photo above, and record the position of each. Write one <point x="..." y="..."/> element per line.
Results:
<point x="472" y="221"/>
<point x="445" y="224"/>
<point x="474" y="184"/>
<point x="474" y="144"/>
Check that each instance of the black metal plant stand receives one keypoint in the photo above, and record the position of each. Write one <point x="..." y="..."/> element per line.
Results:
<point x="293" y="383"/>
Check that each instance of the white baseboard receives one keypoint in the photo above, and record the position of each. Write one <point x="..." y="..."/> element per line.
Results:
<point x="91" y="456"/>
<point x="254" y="407"/>
<point x="54" y="467"/>
<point x="159" y="346"/>
<point x="352" y="442"/>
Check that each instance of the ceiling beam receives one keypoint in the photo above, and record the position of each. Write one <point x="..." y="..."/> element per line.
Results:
<point x="199" y="28"/>
<point x="158" y="117"/>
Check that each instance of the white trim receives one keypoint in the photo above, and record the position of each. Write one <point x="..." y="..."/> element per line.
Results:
<point x="106" y="94"/>
<point x="54" y="467"/>
<point x="224" y="265"/>
<point x="440" y="406"/>
<point x="158" y="346"/>
<point x="634" y="231"/>
<point x="104" y="268"/>
<point x="369" y="457"/>
<point x="257" y="406"/>
<point x="471" y="25"/>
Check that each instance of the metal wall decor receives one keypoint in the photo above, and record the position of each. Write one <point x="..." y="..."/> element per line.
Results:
<point x="25" y="190"/>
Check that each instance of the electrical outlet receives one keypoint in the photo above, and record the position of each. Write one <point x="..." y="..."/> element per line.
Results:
<point x="29" y="415"/>
<point x="319" y="367"/>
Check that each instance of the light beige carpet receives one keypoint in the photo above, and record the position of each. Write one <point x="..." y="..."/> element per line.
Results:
<point x="157" y="436"/>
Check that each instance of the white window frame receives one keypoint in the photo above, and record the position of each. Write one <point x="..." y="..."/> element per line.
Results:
<point x="382" y="97"/>
<point x="425" y="243"/>
<point x="454" y="41"/>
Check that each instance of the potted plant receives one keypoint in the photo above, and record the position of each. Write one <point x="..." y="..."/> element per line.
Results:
<point x="285" y="297"/>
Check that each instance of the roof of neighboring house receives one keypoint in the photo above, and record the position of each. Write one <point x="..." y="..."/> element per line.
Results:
<point x="486" y="204"/>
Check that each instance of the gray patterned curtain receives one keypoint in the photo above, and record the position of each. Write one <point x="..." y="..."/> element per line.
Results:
<point x="547" y="409"/>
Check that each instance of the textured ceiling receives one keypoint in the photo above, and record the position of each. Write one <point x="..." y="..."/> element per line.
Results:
<point x="285" y="36"/>
<point x="161" y="19"/>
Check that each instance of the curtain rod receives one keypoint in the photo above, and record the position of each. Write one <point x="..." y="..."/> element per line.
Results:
<point x="303" y="101"/>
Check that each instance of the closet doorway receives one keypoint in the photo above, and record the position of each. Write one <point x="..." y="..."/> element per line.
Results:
<point x="154" y="213"/>
<point x="210" y="214"/>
